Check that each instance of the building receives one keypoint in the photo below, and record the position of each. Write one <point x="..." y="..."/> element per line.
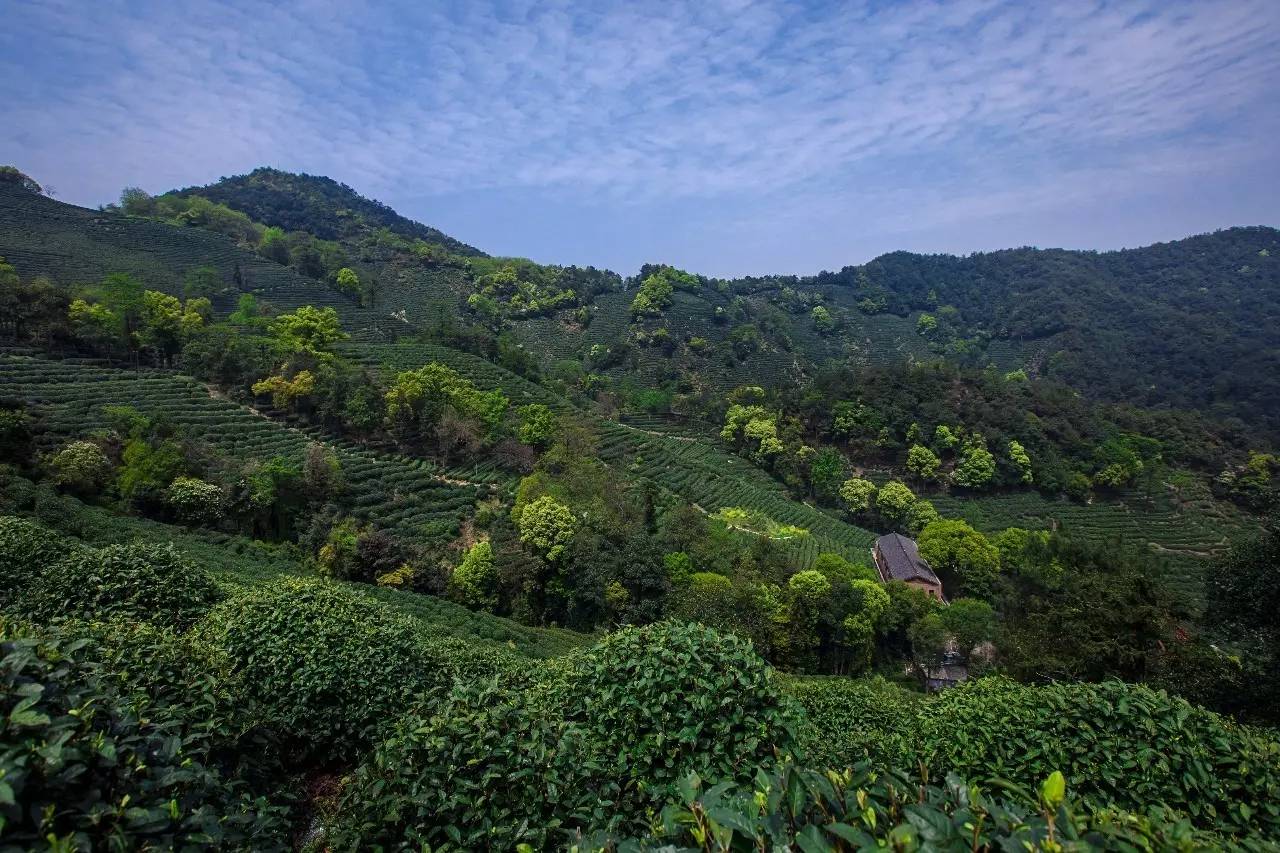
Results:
<point x="897" y="559"/>
<point x="949" y="672"/>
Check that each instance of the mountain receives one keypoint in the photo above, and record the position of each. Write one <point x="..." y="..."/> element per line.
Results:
<point x="1178" y="324"/>
<point x="318" y="205"/>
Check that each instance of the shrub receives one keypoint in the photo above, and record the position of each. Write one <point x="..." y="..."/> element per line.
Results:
<point x="487" y="770"/>
<point x="848" y="721"/>
<point x="151" y="583"/>
<point x="84" y="766"/>
<point x="81" y="467"/>
<point x="1120" y="746"/>
<point x="869" y="808"/>
<point x="657" y="702"/>
<point x="27" y="551"/>
<point x="194" y="501"/>
<point x="329" y="665"/>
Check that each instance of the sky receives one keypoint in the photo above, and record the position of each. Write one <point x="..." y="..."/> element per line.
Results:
<point x="728" y="137"/>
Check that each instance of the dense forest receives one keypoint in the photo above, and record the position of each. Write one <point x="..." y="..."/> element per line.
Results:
<point x="348" y="535"/>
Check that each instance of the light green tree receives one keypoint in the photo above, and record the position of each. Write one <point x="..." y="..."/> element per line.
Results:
<point x="977" y="467"/>
<point x="474" y="581"/>
<point x="81" y="467"/>
<point x="348" y="281"/>
<point x="955" y="549"/>
<point x="1021" y="460"/>
<point x="308" y="330"/>
<point x="894" y="501"/>
<point x="857" y="494"/>
<point x="922" y="462"/>
<point x="547" y="525"/>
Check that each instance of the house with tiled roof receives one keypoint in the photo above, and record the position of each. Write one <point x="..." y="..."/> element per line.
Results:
<point x="898" y="559"/>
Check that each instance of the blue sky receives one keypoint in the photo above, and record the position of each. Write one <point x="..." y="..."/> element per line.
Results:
<point x="726" y="136"/>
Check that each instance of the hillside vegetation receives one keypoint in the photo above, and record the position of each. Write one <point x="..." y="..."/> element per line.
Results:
<point x="321" y="530"/>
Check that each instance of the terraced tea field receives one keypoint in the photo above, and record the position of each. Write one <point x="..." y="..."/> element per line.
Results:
<point x="698" y="470"/>
<point x="237" y="562"/>
<point x="74" y="245"/>
<point x="410" y="497"/>
<point x="1185" y="533"/>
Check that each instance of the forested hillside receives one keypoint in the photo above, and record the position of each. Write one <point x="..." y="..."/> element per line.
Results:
<point x="356" y="537"/>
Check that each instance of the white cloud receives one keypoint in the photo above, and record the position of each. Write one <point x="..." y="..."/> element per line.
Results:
<point x="750" y="102"/>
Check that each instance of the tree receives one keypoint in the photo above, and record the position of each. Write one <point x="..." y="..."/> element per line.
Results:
<point x="976" y="467"/>
<point x="538" y="425"/>
<point x="1021" y="460"/>
<point x="308" y="330"/>
<point x="857" y="494"/>
<point x="547" y="525"/>
<point x="928" y="637"/>
<point x="81" y="467"/>
<point x="149" y="470"/>
<point x="826" y="472"/>
<point x="165" y="324"/>
<point x="922" y="514"/>
<point x="837" y="569"/>
<point x="474" y="582"/>
<point x="194" y="501"/>
<point x="274" y="246"/>
<point x="922" y="462"/>
<point x="969" y="621"/>
<point x="137" y="202"/>
<point x="322" y="472"/>
<point x="756" y="428"/>
<point x="961" y="555"/>
<point x="894" y="502"/>
<point x="823" y="322"/>
<point x="348" y="281"/>
<point x="285" y="393"/>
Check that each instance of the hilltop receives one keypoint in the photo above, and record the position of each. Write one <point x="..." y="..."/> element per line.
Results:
<point x="1172" y="325"/>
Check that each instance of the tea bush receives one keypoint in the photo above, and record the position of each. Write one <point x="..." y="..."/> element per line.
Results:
<point x="847" y="721"/>
<point x="488" y="769"/>
<point x="870" y="808"/>
<point x="136" y="581"/>
<point x="27" y="551"/>
<point x="1120" y="746"/>
<point x="330" y="665"/>
<point x="86" y="766"/>
<point x="657" y="702"/>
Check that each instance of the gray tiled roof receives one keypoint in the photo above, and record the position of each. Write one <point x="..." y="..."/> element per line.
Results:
<point x="902" y="560"/>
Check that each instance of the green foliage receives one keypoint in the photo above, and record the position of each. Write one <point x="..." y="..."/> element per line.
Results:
<point x="755" y="428"/>
<point x="839" y="570"/>
<point x="149" y="469"/>
<point x="1119" y="747"/>
<point x="962" y="556"/>
<point x="86" y="766"/>
<point x="27" y="552"/>
<point x="976" y="468"/>
<point x="655" y="703"/>
<point x="150" y="583"/>
<point x="654" y="294"/>
<point x="194" y="501"/>
<point x="869" y="808"/>
<point x="547" y="525"/>
<point x="308" y="330"/>
<point x="923" y="462"/>
<point x="857" y="494"/>
<point x="538" y="425"/>
<point x="1021" y="460"/>
<point x="894" y="502"/>
<point x="474" y="581"/>
<point x="328" y="665"/>
<point x="483" y="769"/>
<point x="81" y="467"/>
<point x="417" y="398"/>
